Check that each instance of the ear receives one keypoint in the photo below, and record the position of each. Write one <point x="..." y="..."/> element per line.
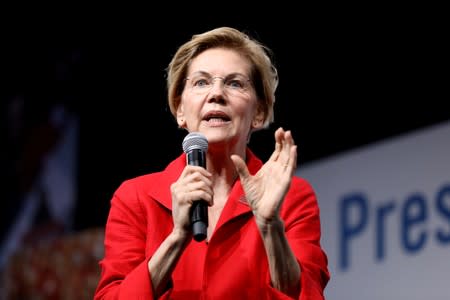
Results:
<point x="258" y="120"/>
<point x="181" y="120"/>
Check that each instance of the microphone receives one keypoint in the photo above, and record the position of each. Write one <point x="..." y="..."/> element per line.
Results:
<point x="195" y="145"/>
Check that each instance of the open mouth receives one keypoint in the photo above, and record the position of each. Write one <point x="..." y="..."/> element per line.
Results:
<point x="216" y="117"/>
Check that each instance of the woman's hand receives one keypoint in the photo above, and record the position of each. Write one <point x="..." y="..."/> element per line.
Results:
<point x="265" y="191"/>
<point x="193" y="184"/>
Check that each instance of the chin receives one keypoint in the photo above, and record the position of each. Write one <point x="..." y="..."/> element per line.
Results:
<point x="214" y="135"/>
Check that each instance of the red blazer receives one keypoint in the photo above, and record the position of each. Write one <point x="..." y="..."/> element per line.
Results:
<point x="232" y="265"/>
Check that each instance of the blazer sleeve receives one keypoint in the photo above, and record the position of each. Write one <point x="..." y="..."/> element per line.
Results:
<point x="301" y="215"/>
<point x="124" y="268"/>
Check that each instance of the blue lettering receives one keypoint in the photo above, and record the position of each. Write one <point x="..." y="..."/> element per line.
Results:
<point x="382" y="212"/>
<point x="355" y="212"/>
<point x="414" y="212"/>
<point x="443" y="208"/>
<point x="348" y="230"/>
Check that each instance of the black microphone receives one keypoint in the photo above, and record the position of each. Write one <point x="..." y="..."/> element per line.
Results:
<point x="195" y="146"/>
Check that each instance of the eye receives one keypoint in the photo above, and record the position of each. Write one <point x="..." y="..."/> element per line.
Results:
<point x="235" y="83"/>
<point x="201" y="82"/>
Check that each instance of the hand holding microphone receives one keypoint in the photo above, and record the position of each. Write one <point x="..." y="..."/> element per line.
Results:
<point x="195" y="145"/>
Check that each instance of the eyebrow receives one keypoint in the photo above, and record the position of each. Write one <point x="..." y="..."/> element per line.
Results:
<point x="210" y="75"/>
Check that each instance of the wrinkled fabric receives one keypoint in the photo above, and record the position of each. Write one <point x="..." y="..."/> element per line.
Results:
<point x="231" y="265"/>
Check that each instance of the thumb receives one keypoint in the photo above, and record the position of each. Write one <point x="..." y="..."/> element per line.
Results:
<point x="240" y="166"/>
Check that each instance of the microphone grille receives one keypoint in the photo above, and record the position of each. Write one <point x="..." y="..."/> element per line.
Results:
<point x="195" y="140"/>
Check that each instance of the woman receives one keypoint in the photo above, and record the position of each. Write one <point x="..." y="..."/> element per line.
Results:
<point x="263" y="235"/>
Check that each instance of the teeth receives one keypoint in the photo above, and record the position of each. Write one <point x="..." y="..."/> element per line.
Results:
<point x="216" y="120"/>
<point x="216" y="116"/>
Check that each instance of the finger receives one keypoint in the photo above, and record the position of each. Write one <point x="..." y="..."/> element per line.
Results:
<point x="292" y="164"/>
<point x="286" y="144"/>
<point x="240" y="166"/>
<point x="279" y="135"/>
<point x="200" y="185"/>
<point x="278" y="144"/>
<point x="198" y="195"/>
<point x="289" y="138"/>
<point x="294" y="154"/>
<point x="194" y="174"/>
<point x="190" y="169"/>
<point x="198" y="177"/>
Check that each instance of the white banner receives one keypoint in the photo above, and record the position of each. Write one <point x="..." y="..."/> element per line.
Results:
<point x="385" y="212"/>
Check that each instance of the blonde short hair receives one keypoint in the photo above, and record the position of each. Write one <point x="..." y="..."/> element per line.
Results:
<point x="264" y="75"/>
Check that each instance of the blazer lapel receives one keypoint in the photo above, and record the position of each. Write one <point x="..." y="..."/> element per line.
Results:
<point x="236" y="204"/>
<point x="159" y="188"/>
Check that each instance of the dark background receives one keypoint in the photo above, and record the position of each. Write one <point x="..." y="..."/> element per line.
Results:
<point x="346" y="80"/>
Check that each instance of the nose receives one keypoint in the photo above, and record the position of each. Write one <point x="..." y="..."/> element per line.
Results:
<point x="217" y="82"/>
<point x="217" y="90"/>
<point x="217" y="94"/>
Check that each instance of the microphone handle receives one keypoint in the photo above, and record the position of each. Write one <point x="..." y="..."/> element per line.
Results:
<point x="199" y="220"/>
<point x="199" y="209"/>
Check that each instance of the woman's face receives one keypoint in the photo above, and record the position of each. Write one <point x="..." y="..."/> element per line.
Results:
<point x="219" y="99"/>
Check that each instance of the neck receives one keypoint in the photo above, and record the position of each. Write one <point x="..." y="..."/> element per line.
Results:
<point x="221" y="166"/>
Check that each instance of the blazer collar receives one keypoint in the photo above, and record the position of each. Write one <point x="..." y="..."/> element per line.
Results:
<point x="236" y="204"/>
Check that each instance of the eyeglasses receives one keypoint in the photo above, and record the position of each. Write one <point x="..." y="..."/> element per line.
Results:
<point x="201" y="83"/>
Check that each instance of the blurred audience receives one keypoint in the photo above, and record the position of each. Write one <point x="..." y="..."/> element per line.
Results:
<point x="39" y="242"/>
